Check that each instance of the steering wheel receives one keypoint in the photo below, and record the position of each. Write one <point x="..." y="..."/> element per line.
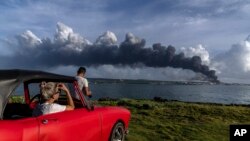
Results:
<point x="34" y="102"/>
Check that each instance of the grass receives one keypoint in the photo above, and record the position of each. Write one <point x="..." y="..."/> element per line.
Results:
<point x="17" y="99"/>
<point x="180" y="121"/>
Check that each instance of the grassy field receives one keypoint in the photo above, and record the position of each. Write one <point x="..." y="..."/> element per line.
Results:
<point x="180" y="121"/>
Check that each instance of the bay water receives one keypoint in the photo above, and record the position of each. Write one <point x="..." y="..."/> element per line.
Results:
<point x="215" y="93"/>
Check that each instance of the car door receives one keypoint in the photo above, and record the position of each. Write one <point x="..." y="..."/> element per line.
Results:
<point x="77" y="125"/>
<point x="25" y="129"/>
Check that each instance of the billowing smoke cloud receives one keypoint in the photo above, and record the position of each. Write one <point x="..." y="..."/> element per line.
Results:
<point x="199" y="50"/>
<point x="69" y="48"/>
<point x="234" y="62"/>
<point x="108" y="39"/>
<point x="28" y="39"/>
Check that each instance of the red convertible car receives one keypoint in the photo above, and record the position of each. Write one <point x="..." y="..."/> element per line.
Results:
<point x="85" y="123"/>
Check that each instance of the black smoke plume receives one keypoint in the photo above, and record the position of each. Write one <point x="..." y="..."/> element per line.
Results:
<point x="132" y="51"/>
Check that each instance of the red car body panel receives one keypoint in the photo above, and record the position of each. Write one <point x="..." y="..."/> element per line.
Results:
<point x="19" y="130"/>
<point x="76" y="125"/>
<point x="110" y="116"/>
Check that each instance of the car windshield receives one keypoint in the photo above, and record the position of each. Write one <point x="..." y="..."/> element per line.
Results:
<point x="17" y="107"/>
<point x="34" y="89"/>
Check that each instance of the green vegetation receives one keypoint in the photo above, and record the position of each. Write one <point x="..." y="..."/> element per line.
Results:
<point x="16" y="99"/>
<point x="180" y="121"/>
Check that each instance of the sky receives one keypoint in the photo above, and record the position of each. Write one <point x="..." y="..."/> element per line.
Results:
<point x="215" y="30"/>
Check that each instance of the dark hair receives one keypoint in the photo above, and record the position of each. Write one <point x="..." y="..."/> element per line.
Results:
<point x="81" y="70"/>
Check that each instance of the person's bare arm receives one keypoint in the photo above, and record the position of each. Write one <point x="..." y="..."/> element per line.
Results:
<point x="71" y="105"/>
<point x="86" y="91"/>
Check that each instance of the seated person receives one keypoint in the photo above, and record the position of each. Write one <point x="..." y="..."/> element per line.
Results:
<point x="50" y="93"/>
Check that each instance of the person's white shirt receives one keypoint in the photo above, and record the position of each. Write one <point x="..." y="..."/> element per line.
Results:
<point x="47" y="108"/>
<point x="82" y="82"/>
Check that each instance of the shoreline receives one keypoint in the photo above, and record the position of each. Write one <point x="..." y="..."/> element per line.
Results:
<point x="20" y="99"/>
<point x="160" y="99"/>
<point x="162" y="82"/>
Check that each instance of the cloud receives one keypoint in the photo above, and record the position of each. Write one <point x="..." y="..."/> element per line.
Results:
<point x="235" y="62"/>
<point x="232" y="65"/>
<point x="69" y="48"/>
<point x="199" y="50"/>
<point x="68" y="39"/>
<point x="216" y="24"/>
<point x="127" y="72"/>
<point x="107" y="39"/>
<point x="28" y="39"/>
<point x="129" y="59"/>
<point x="208" y="22"/>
